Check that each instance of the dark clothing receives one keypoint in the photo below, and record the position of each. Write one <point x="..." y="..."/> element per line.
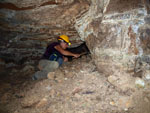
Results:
<point x="51" y="50"/>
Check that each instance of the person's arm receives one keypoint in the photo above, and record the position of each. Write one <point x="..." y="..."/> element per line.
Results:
<point x="65" y="52"/>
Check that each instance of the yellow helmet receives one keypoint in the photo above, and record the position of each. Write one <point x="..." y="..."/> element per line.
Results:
<point x="64" y="38"/>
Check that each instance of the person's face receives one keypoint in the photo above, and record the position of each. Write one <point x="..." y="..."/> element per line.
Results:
<point x="64" y="45"/>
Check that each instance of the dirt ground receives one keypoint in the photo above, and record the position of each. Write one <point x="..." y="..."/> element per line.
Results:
<point x="76" y="87"/>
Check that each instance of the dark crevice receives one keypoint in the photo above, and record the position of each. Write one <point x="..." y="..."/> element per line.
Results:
<point x="14" y="7"/>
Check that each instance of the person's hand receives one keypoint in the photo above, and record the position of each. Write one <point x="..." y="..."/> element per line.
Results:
<point x="76" y="55"/>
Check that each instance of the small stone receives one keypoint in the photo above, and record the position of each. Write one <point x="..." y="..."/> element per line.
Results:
<point x="128" y="103"/>
<point x="112" y="103"/>
<point x="52" y="93"/>
<point x="126" y="109"/>
<point x="124" y="102"/>
<point x="29" y="103"/>
<point x="59" y="80"/>
<point x="69" y="74"/>
<point x="27" y="68"/>
<point x="112" y="79"/>
<point x="48" y="88"/>
<point x="51" y="75"/>
<point x="147" y="77"/>
<point x="66" y="78"/>
<point x="77" y="90"/>
<point x="77" y="96"/>
<point x="140" y="83"/>
<point x="41" y="103"/>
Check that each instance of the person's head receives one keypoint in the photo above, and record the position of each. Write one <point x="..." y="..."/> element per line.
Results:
<point x="64" y="41"/>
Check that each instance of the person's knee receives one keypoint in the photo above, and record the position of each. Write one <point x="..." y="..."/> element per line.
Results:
<point x="42" y="64"/>
<point x="51" y="66"/>
<point x="55" y="64"/>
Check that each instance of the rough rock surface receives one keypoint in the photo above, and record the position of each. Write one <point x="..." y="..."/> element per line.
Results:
<point x="28" y="26"/>
<point x="117" y="33"/>
<point x="77" y="87"/>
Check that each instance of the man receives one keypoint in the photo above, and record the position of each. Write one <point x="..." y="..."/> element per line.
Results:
<point x="54" y="56"/>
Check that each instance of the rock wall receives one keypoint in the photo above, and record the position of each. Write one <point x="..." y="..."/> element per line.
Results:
<point x="27" y="26"/>
<point x="117" y="33"/>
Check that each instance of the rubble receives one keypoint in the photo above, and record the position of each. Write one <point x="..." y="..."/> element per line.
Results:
<point x="70" y="90"/>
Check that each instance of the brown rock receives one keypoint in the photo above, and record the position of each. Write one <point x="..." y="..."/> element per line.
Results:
<point x="51" y="75"/>
<point x="42" y="103"/>
<point x="76" y="90"/>
<point x="2" y="62"/>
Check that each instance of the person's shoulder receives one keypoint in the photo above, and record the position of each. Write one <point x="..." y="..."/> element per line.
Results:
<point x="53" y="43"/>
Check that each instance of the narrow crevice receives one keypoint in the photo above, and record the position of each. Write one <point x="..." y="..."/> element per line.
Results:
<point x="14" y="7"/>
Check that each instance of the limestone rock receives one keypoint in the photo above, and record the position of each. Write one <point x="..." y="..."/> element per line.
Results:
<point x="28" y="68"/>
<point x="112" y="79"/>
<point x="42" y="103"/>
<point x="146" y="75"/>
<point x="125" y="103"/>
<point x="139" y="83"/>
<point x="76" y="90"/>
<point x="51" y="75"/>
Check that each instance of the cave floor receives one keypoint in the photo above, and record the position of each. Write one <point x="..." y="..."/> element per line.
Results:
<point x="76" y="87"/>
